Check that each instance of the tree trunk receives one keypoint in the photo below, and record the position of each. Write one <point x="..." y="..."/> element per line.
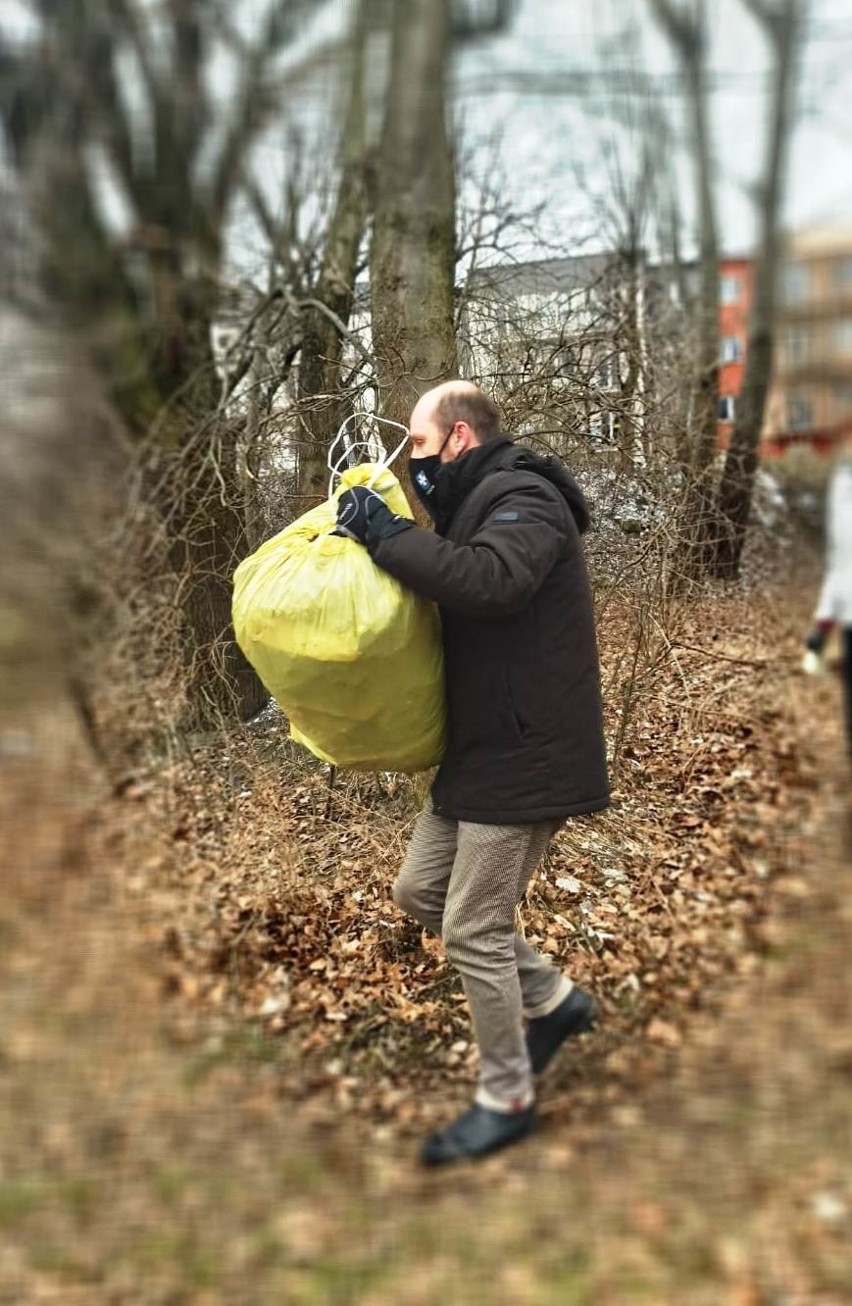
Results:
<point x="412" y="257"/>
<point x="686" y="30"/>
<point x="251" y="447"/>
<point x="736" y="487"/>
<point x="630" y="424"/>
<point x="698" y="510"/>
<point x="321" y="404"/>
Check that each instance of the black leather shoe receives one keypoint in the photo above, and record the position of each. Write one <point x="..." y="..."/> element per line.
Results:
<point x="477" y="1132"/>
<point x="546" y="1034"/>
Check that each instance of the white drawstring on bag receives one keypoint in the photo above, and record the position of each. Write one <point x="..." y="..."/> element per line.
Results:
<point x="335" y="464"/>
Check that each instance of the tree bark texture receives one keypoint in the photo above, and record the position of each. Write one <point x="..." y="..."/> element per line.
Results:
<point x="412" y="257"/>
<point x="781" y="22"/>
<point x="321" y="404"/>
<point x="685" y="29"/>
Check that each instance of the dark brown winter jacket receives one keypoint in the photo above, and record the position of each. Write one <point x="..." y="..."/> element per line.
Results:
<point x="506" y="568"/>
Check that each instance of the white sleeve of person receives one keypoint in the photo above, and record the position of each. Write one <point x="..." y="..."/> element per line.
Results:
<point x="835" y="600"/>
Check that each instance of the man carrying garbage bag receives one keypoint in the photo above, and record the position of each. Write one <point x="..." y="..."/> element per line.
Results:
<point x="525" y="744"/>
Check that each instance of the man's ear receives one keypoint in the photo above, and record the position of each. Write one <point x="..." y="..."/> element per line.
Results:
<point x="465" y="438"/>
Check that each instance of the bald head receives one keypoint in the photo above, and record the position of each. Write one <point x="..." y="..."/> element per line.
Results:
<point x="451" y="418"/>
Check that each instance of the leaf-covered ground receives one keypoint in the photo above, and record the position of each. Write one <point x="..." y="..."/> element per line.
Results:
<point x="282" y="912"/>
<point x="221" y="1041"/>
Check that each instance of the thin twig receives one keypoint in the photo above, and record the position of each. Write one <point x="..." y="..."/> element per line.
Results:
<point x="723" y="657"/>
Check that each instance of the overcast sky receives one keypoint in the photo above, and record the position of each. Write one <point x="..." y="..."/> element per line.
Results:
<point x="517" y="102"/>
<point x="545" y="135"/>
<point x="517" y="93"/>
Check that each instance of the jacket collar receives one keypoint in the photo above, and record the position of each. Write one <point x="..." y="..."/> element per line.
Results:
<point x="459" y="477"/>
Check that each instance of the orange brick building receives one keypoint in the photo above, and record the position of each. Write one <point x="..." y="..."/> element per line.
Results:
<point x="810" y="399"/>
<point x="736" y="288"/>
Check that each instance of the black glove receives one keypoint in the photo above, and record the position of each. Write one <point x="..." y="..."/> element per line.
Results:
<point x="364" y="516"/>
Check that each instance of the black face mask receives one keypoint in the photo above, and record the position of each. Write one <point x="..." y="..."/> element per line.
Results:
<point x="426" y="478"/>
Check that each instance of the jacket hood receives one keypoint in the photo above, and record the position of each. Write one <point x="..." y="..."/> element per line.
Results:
<point x="555" y="471"/>
<point x="458" y="478"/>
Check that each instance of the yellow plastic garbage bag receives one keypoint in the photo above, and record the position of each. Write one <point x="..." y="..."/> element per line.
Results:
<point x="352" y="658"/>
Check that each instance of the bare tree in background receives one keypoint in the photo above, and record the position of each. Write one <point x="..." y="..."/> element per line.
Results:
<point x="717" y="519"/>
<point x="488" y="227"/>
<point x="781" y="22"/>
<point x="321" y="400"/>
<point x="120" y="91"/>
<point x="685" y="26"/>
<point x="412" y="258"/>
<point x="413" y="250"/>
<point x="334" y="364"/>
<point x="626" y="188"/>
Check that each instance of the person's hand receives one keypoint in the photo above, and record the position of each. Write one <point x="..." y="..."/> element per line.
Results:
<point x="363" y="515"/>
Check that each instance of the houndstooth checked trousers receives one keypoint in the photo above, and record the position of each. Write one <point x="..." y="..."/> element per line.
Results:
<point x="463" y="881"/>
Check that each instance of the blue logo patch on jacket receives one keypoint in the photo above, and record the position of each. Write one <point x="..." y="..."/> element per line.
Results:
<point x="505" y="516"/>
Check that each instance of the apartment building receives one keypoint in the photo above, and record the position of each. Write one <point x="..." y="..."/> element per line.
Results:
<point x="736" y="290"/>
<point x="811" y="397"/>
<point x="570" y="324"/>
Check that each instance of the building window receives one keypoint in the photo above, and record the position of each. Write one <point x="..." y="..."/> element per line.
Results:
<point x="800" y="415"/>
<point x="727" y="408"/>
<point x="602" y="428"/>
<point x="732" y="349"/>
<point x="841" y="336"/>
<point x="843" y="397"/>
<point x="794" y="283"/>
<point x="605" y="374"/>
<point x="797" y="346"/>
<point x="730" y="288"/>
<point x="843" y="273"/>
<point x="563" y="361"/>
